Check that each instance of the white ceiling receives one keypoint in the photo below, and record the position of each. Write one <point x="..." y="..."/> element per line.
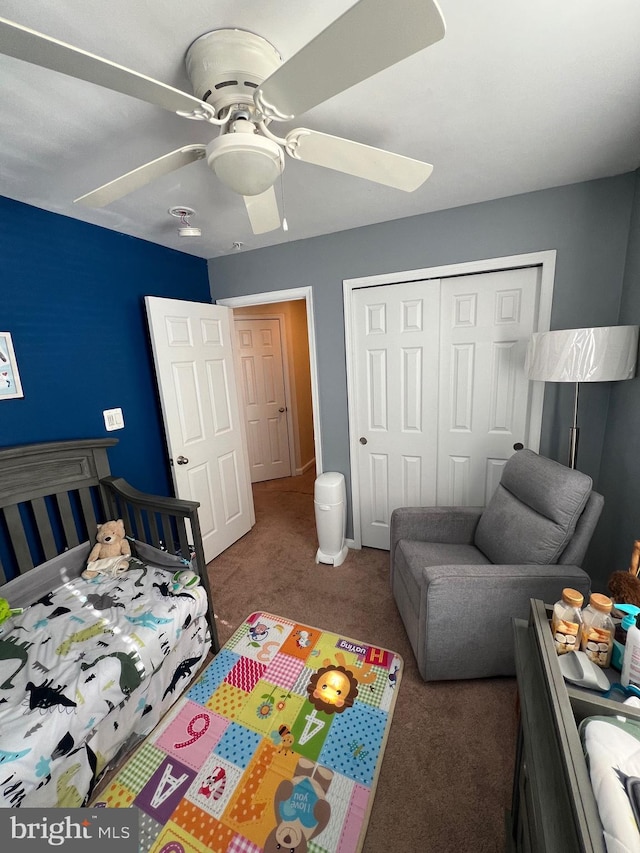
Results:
<point x="520" y="95"/>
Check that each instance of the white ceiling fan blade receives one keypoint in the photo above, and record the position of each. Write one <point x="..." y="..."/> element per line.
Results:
<point x="39" y="49"/>
<point x="263" y="211"/>
<point x="353" y="158"/>
<point x="142" y="176"/>
<point x="370" y="36"/>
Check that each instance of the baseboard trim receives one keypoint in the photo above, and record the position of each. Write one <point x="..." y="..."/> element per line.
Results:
<point x="305" y="467"/>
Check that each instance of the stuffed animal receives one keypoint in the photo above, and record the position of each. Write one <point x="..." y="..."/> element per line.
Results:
<point x="625" y="586"/>
<point x="109" y="556"/>
<point x="6" y="610"/>
<point x="184" y="579"/>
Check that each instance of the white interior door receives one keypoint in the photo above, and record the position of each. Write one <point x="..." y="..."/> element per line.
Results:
<point x="193" y="355"/>
<point x="441" y="393"/>
<point x="261" y="374"/>
<point x="486" y="321"/>
<point x="397" y="382"/>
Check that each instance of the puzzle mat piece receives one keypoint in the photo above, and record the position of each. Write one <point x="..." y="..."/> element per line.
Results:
<point x="263" y="638"/>
<point x="134" y="775"/>
<point x="284" y="670"/>
<point x="115" y="796"/>
<point x="245" y="674"/>
<point x="238" y="745"/>
<point x="239" y="634"/>
<point x="301" y="641"/>
<point x="149" y="831"/>
<point x="356" y="743"/>
<point x="302" y="682"/>
<point x="192" y="734"/>
<point x="310" y="729"/>
<point x="227" y="701"/>
<point x="250" y="810"/>
<point x="355" y="819"/>
<point x="339" y="796"/>
<point x="164" y="790"/>
<point x="240" y="844"/>
<point x="381" y="692"/>
<point x="212" y="676"/>
<point x="175" y="839"/>
<point x="263" y="715"/>
<point x="326" y="647"/>
<point x="214" y="785"/>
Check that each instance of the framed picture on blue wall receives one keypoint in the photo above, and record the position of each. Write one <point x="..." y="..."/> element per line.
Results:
<point x="10" y="385"/>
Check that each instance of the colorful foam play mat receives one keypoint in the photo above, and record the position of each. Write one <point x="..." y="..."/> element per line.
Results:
<point x="277" y="746"/>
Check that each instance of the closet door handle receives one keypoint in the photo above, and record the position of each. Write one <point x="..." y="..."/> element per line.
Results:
<point x="182" y="460"/>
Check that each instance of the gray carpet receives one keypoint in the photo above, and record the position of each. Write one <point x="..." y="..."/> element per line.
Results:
<point x="447" y="770"/>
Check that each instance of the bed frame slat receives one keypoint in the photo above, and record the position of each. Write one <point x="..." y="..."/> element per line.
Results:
<point x="153" y="531"/>
<point x="88" y="511"/>
<point x="45" y="531"/>
<point x="138" y="523"/>
<point x="67" y="520"/>
<point x="18" y="538"/>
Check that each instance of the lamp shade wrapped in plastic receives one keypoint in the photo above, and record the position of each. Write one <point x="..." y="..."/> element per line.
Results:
<point x="600" y="354"/>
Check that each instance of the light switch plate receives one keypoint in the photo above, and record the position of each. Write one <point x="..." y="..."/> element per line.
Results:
<point x="113" y="419"/>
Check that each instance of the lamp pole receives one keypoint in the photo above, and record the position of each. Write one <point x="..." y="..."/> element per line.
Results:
<point x="574" y="431"/>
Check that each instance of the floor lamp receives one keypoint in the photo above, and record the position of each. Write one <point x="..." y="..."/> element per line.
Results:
<point x="600" y="354"/>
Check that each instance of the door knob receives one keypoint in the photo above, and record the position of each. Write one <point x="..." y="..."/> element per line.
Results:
<point x="182" y="460"/>
<point x="363" y="440"/>
<point x="518" y="445"/>
<point x="281" y="409"/>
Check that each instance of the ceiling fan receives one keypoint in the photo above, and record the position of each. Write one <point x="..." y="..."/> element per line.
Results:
<point x="243" y="86"/>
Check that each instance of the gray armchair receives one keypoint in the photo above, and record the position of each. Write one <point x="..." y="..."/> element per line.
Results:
<point x="460" y="574"/>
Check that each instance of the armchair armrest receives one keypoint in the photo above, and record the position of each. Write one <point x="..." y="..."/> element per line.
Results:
<point x="466" y="614"/>
<point x="446" y="524"/>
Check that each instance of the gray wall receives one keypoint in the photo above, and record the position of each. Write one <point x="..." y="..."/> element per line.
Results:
<point x="588" y="225"/>
<point x="620" y="470"/>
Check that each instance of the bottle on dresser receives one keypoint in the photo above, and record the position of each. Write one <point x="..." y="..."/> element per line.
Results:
<point x="598" y="630"/>
<point x="631" y="660"/>
<point x="566" y="621"/>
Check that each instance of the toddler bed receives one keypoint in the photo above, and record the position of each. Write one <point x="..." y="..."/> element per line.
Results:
<point x="90" y="666"/>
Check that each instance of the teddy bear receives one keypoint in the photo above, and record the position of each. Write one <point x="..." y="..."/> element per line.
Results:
<point x="625" y="586"/>
<point x="109" y="556"/>
<point x="301" y="807"/>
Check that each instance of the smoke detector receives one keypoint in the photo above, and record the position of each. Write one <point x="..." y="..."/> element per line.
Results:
<point x="184" y="214"/>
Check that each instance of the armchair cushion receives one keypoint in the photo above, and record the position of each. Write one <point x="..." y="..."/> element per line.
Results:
<point x="413" y="557"/>
<point x="533" y="513"/>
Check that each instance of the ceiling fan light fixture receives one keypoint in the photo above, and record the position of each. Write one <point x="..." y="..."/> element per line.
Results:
<point x="246" y="163"/>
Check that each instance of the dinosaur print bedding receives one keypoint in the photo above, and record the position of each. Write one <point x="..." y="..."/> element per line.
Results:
<point x="85" y="671"/>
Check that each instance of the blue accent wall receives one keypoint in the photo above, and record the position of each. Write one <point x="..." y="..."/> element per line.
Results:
<point x="72" y="297"/>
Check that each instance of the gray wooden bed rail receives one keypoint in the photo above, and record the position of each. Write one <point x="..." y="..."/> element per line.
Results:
<point x="53" y="495"/>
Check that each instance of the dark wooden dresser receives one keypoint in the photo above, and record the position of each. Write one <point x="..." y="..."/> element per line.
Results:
<point x="553" y="806"/>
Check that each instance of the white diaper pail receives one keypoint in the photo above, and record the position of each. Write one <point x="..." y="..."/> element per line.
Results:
<point x="330" y="500"/>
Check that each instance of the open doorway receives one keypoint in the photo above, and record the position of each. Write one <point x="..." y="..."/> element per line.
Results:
<point x="293" y="310"/>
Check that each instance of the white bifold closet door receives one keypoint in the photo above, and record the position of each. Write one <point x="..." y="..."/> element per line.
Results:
<point x="442" y="398"/>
